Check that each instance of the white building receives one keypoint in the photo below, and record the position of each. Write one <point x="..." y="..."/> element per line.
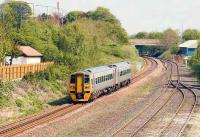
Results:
<point x="28" y="56"/>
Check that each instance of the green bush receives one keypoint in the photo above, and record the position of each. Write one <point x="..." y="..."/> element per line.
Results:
<point x="5" y="94"/>
<point x="55" y="72"/>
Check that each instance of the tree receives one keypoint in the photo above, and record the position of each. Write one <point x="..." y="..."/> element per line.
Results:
<point x="170" y="38"/>
<point x="16" y="11"/>
<point x="155" y="35"/>
<point x="74" y="15"/>
<point x="5" y="44"/>
<point x="43" y="16"/>
<point x="191" y="34"/>
<point x="103" y="14"/>
<point x="141" y="35"/>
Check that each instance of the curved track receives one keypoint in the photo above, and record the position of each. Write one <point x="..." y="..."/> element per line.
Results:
<point x="35" y="120"/>
<point x="186" y="105"/>
<point x="134" y="125"/>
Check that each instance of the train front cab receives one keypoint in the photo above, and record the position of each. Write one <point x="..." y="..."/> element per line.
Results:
<point x="80" y="87"/>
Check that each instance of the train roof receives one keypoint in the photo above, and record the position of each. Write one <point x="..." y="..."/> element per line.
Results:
<point x="120" y="64"/>
<point x="98" y="69"/>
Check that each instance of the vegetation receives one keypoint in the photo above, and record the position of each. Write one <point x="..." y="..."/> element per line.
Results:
<point x="195" y="62"/>
<point x="191" y="34"/>
<point x="146" y="35"/>
<point x="170" y="40"/>
<point x="85" y="39"/>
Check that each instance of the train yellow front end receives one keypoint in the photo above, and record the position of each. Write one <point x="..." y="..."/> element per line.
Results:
<point x="80" y="87"/>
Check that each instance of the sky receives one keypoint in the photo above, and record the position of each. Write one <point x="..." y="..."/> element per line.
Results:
<point x="137" y="15"/>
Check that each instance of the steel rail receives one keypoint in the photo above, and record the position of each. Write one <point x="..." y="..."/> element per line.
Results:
<point x="192" y="110"/>
<point x="179" y="108"/>
<point x="145" y="109"/>
<point x="165" y="103"/>
<point x="24" y="124"/>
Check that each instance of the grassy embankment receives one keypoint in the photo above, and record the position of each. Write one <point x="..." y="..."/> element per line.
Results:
<point x="77" y="45"/>
<point x="22" y="98"/>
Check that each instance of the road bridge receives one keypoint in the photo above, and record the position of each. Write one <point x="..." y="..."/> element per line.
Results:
<point x="145" y="42"/>
<point x="153" y="47"/>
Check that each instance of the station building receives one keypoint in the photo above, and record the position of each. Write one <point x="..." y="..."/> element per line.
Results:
<point x="187" y="49"/>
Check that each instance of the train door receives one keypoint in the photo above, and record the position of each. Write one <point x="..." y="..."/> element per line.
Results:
<point x="115" y="75"/>
<point x="79" y="83"/>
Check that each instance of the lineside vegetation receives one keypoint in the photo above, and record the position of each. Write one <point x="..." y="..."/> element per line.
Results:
<point x="86" y="39"/>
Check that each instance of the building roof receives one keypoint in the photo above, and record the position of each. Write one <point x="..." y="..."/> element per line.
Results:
<point x="146" y="42"/>
<point x="189" y="44"/>
<point x="30" y="52"/>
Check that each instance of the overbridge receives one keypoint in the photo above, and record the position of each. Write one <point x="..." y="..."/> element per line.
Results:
<point x="152" y="47"/>
<point x="145" y="42"/>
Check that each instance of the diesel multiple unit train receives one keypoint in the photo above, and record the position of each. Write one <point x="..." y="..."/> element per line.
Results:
<point x="91" y="83"/>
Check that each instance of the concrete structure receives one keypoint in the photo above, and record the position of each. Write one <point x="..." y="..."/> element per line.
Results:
<point x="187" y="49"/>
<point x="145" y="42"/>
<point x="152" y="47"/>
<point x="28" y="56"/>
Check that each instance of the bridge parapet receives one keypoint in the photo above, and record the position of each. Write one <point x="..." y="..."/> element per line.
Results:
<point x="146" y="42"/>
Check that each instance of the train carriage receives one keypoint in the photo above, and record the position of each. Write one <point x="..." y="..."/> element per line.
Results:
<point x="90" y="83"/>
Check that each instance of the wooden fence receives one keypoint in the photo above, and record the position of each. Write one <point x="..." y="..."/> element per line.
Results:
<point x="18" y="71"/>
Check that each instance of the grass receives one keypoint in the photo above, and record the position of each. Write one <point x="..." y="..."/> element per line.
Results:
<point x="144" y="90"/>
<point x="46" y="89"/>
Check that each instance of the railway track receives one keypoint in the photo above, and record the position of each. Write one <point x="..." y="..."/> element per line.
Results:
<point x="35" y="120"/>
<point x="153" y="65"/>
<point x="25" y="124"/>
<point x="184" y="112"/>
<point x="135" y="124"/>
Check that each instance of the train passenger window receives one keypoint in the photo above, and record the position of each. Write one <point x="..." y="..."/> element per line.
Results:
<point x="73" y="79"/>
<point x="104" y="78"/>
<point x="87" y="79"/>
<point x="96" y="81"/>
<point x="111" y="76"/>
<point x="99" y="80"/>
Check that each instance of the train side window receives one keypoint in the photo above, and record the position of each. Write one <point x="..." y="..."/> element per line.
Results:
<point x="87" y="79"/>
<point x="104" y="78"/>
<point x="73" y="79"/>
<point x="96" y="81"/>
